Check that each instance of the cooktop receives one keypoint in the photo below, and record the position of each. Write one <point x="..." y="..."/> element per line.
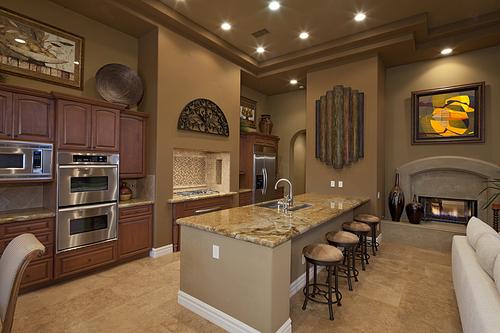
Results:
<point x="194" y="193"/>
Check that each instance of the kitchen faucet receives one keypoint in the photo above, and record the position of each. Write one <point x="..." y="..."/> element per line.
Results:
<point x="289" y="199"/>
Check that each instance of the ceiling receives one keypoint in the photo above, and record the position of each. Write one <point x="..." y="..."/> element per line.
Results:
<point x="401" y="32"/>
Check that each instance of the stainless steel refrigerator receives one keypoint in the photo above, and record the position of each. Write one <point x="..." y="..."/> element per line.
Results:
<point x="264" y="179"/>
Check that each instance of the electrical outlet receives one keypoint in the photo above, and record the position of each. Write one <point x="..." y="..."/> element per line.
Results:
<point x="332" y="183"/>
<point x="341" y="183"/>
<point x="378" y="195"/>
<point x="303" y="260"/>
<point x="215" y="252"/>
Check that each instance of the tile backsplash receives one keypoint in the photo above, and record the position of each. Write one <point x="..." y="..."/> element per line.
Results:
<point x="196" y="170"/>
<point x="20" y="196"/>
<point x="143" y="188"/>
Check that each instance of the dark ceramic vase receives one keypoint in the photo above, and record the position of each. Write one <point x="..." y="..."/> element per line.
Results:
<point x="266" y="125"/>
<point x="125" y="192"/>
<point x="415" y="211"/>
<point x="396" y="201"/>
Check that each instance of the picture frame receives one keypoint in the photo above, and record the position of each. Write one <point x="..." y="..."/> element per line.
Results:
<point x="453" y="114"/>
<point x="35" y="50"/>
<point x="248" y="111"/>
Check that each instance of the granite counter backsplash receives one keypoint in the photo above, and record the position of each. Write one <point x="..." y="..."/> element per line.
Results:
<point x="19" y="215"/>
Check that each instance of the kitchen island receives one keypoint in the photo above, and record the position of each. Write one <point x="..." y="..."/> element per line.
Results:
<point x="240" y="266"/>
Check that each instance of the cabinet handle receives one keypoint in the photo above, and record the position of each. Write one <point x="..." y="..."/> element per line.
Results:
<point x="28" y="228"/>
<point x="90" y="259"/>
<point x="88" y="146"/>
<point x="15" y="135"/>
<point x="27" y="275"/>
<point x="136" y="211"/>
<point x="8" y="134"/>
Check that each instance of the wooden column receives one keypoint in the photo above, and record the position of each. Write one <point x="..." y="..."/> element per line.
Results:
<point x="329" y="127"/>
<point x="347" y="125"/>
<point x="322" y="132"/>
<point x="355" y="127"/>
<point x="361" y="107"/>
<point x="338" y="127"/>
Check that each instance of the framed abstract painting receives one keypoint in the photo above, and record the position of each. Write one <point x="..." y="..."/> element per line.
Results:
<point x="39" y="51"/>
<point x="452" y="114"/>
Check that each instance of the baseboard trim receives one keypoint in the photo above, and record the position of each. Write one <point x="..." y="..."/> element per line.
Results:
<point x="161" y="251"/>
<point x="379" y="238"/>
<point x="221" y="319"/>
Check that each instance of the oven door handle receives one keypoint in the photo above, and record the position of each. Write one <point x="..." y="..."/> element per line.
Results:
<point x="78" y="166"/>
<point x="69" y="209"/>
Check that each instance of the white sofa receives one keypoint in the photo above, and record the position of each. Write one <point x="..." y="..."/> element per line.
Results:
<point x="476" y="277"/>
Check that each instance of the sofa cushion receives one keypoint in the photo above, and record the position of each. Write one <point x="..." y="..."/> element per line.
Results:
<point x="487" y="250"/>
<point x="477" y="228"/>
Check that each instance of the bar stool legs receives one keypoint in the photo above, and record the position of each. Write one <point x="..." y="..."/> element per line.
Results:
<point x="330" y="257"/>
<point x="371" y="221"/>
<point x="348" y="241"/>
<point x="361" y="230"/>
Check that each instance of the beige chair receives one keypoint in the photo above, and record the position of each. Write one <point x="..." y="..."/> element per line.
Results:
<point x="17" y="255"/>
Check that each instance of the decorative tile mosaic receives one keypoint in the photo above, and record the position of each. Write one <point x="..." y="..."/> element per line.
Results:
<point x="189" y="170"/>
<point x="20" y="196"/>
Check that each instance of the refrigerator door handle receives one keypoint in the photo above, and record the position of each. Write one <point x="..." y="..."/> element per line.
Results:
<point x="264" y="186"/>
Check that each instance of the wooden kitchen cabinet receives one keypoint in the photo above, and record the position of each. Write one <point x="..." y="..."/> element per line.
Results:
<point x="195" y="207"/>
<point x="249" y="140"/>
<point x="246" y="198"/>
<point x="26" y="115"/>
<point x="135" y="231"/>
<point x="80" y="260"/>
<point x="133" y="144"/>
<point x="40" y="269"/>
<point x="86" y="124"/>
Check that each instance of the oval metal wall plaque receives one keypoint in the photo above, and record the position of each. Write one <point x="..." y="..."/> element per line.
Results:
<point x="203" y="115"/>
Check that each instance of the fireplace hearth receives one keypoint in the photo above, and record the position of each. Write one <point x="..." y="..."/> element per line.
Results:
<point x="448" y="210"/>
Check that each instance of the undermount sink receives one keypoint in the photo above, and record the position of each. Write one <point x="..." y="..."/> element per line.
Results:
<point x="274" y="205"/>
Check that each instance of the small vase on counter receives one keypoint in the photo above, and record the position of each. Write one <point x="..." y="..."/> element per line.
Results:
<point x="266" y="125"/>
<point x="125" y="192"/>
<point x="415" y="211"/>
<point x="396" y="201"/>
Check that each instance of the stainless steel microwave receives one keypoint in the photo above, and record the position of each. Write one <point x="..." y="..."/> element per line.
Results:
<point x="25" y="161"/>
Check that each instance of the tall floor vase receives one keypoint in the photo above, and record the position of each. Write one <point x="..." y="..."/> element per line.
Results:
<point x="396" y="201"/>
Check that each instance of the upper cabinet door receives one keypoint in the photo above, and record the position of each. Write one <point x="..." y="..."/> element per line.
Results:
<point x="133" y="144"/>
<point x="106" y="129"/>
<point x="5" y="115"/>
<point x="33" y="118"/>
<point x="74" y="125"/>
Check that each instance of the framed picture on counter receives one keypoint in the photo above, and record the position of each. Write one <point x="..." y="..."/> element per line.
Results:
<point x="453" y="114"/>
<point x="35" y="50"/>
<point x="248" y="110"/>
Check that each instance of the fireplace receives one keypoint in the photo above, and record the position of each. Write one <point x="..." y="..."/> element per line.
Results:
<point x="448" y="210"/>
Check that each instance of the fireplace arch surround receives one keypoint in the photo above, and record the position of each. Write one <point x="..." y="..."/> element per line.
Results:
<point x="449" y="176"/>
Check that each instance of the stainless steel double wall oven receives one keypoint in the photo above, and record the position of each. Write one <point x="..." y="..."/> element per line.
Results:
<point x="87" y="197"/>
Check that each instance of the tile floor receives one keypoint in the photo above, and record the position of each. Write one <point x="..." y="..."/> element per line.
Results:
<point x="404" y="289"/>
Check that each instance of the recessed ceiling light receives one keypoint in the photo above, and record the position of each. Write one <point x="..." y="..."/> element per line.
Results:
<point x="274" y="5"/>
<point x="446" y="51"/>
<point x="260" y="49"/>
<point x="226" y="26"/>
<point x="360" y="17"/>
<point x="19" y="40"/>
<point x="293" y="81"/>
<point x="301" y="87"/>
<point x="304" y="35"/>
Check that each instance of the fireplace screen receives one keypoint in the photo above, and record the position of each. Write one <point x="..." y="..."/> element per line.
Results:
<point x="448" y="210"/>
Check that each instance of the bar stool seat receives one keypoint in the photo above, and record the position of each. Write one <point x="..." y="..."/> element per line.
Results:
<point x="348" y="241"/>
<point x="372" y="221"/>
<point x="330" y="257"/>
<point x="361" y="230"/>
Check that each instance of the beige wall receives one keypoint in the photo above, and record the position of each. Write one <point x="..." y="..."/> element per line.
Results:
<point x="361" y="178"/>
<point x="103" y="45"/>
<point x="482" y="65"/>
<point x="185" y="71"/>
<point x="299" y="164"/>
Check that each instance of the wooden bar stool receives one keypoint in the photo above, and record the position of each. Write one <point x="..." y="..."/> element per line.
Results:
<point x="361" y="230"/>
<point x="330" y="257"/>
<point x="372" y="221"/>
<point x="348" y="241"/>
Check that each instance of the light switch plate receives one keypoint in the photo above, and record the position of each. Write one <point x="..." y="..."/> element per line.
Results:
<point x="215" y="252"/>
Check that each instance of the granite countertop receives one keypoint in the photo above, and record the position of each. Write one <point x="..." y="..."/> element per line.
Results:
<point x="135" y="202"/>
<point x="28" y="214"/>
<point x="265" y="226"/>
<point x="245" y="190"/>
<point x="178" y="198"/>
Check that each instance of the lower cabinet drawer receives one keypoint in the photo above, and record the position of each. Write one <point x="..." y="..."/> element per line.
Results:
<point x="46" y="239"/>
<point x="80" y="260"/>
<point x="37" y="272"/>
